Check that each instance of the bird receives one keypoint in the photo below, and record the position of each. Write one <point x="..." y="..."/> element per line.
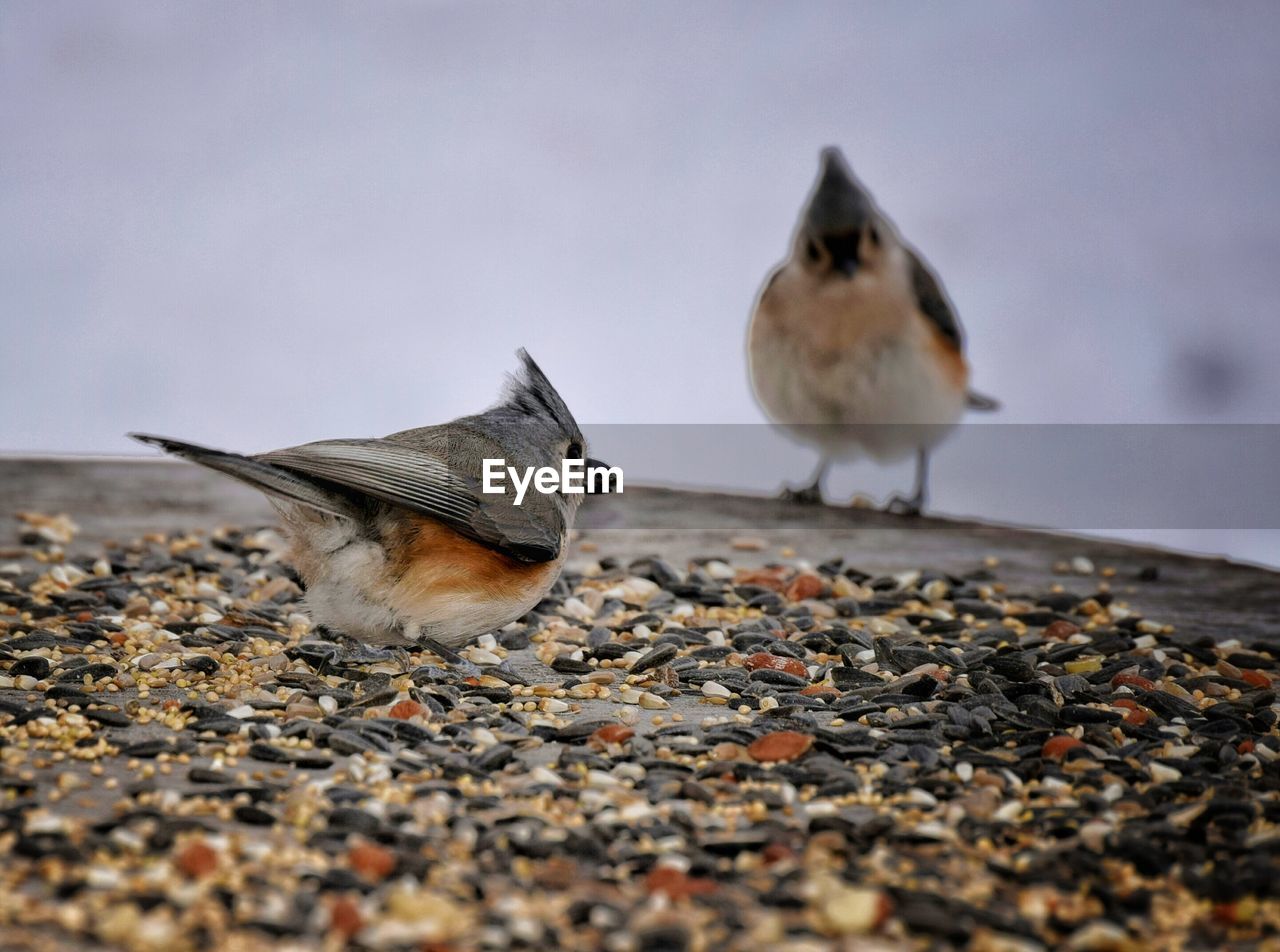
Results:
<point x="853" y="344"/>
<point x="395" y="541"/>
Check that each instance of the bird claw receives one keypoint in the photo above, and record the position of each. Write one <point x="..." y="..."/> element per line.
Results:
<point x="445" y="653"/>
<point x="808" y="496"/>
<point x="349" y="650"/>
<point x="903" y="506"/>
<point x="403" y="658"/>
<point x="448" y="656"/>
<point x="365" y="654"/>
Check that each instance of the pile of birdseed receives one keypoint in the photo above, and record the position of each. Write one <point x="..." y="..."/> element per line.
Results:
<point x="800" y="757"/>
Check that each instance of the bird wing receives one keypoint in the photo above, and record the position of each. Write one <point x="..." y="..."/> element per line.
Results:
<point x="420" y="480"/>
<point x="264" y="477"/>
<point x="932" y="300"/>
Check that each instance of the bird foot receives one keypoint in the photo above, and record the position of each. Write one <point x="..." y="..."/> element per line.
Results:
<point x="808" y="496"/>
<point x="403" y="659"/>
<point x="350" y="650"/>
<point x="904" y="505"/>
<point x="449" y="656"/>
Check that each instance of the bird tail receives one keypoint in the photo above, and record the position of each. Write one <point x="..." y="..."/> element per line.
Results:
<point x="272" y="480"/>
<point x="981" y="402"/>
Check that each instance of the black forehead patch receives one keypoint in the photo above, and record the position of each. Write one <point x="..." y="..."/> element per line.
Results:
<point x="843" y="247"/>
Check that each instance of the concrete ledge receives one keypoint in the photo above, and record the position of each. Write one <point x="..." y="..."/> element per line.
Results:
<point x="114" y="498"/>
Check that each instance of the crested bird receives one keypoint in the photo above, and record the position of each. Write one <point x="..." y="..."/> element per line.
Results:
<point x="853" y="345"/>
<point x="395" y="539"/>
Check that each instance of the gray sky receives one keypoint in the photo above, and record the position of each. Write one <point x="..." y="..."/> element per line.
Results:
<point x="259" y="224"/>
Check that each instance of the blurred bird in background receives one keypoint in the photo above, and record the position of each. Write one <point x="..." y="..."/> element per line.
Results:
<point x="853" y="345"/>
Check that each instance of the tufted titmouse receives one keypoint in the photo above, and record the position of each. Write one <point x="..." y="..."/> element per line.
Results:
<point x="853" y="344"/>
<point x="394" y="538"/>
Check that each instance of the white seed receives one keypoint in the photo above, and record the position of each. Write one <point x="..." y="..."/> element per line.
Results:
<point x="545" y="775"/>
<point x="882" y="626"/>
<point x="907" y="580"/>
<point x="718" y="570"/>
<point x="1082" y="566"/>
<point x="1163" y="774"/>
<point x="1009" y="812"/>
<point x="1094" y="835"/>
<point x="921" y="797"/>
<point x="935" y="591"/>
<point x="577" y="608"/>
<point x="478" y="655"/>
<point x="640" y="589"/>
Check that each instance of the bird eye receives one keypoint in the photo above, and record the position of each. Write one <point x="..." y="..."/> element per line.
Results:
<point x="811" y="249"/>
<point x="874" y="234"/>
<point x="574" y="451"/>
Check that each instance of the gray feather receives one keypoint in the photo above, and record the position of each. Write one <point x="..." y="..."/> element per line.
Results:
<point x="394" y="473"/>
<point x="932" y="300"/>
<point x="261" y="476"/>
<point x="436" y="471"/>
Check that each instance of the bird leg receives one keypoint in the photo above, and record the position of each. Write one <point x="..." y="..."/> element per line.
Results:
<point x="810" y="495"/>
<point x="447" y="655"/>
<point x="913" y="505"/>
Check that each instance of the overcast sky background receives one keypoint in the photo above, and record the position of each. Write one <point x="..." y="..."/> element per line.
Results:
<point x="258" y="224"/>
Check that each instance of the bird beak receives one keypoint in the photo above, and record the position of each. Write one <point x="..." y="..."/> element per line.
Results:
<point x="837" y="212"/>
<point x="608" y="481"/>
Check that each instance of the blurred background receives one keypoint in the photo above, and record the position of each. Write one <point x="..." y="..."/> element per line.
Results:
<point x="258" y="224"/>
